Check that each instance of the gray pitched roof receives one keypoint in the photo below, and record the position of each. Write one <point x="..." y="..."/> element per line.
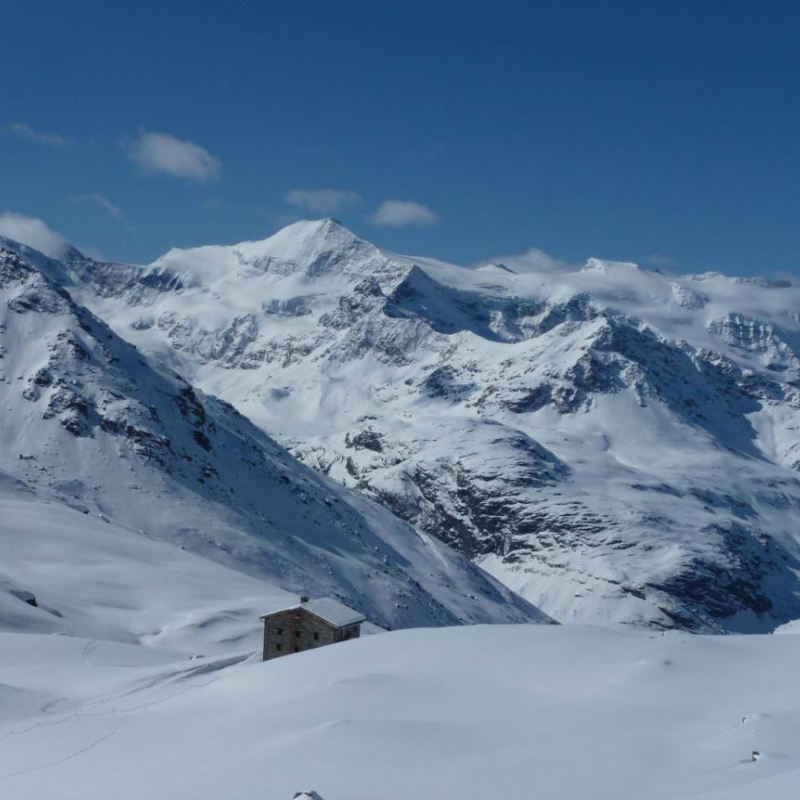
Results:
<point x="326" y="608"/>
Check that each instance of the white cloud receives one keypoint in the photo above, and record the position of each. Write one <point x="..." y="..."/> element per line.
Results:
<point x="402" y="213"/>
<point x="94" y="253"/>
<point x="168" y="155"/>
<point x="24" y="131"/>
<point x="32" y="232"/>
<point x="322" y="201"/>
<point x="534" y="260"/>
<point x="101" y="201"/>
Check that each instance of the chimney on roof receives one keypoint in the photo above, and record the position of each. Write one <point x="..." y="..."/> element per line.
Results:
<point x="304" y="598"/>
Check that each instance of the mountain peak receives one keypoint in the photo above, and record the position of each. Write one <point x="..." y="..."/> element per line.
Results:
<point x="306" y="248"/>
<point x="312" y="248"/>
<point x="326" y="233"/>
<point x="65" y="252"/>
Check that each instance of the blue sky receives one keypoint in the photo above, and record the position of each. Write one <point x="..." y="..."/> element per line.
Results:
<point x="662" y="132"/>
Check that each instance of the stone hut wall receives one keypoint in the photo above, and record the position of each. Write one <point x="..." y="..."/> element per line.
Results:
<point x="294" y="631"/>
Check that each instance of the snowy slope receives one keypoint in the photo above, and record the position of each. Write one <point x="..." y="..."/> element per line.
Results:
<point x="465" y="713"/>
<point x="613" y="443"/>
<point x="86" y="418"/>
<point x="97" y="579"/>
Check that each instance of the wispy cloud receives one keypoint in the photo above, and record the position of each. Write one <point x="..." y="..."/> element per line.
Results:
<point x="660" y="260"/>
<point x="162" y="153"/>
<point x="322" y="201"/>
<point x="94" y="253"/>
<point x="101" y="201"/>
<point x="533" y="260"/>
<point x="403" y="213"/>
<point x="32" y="232"/>
<point x="48" y="139"/>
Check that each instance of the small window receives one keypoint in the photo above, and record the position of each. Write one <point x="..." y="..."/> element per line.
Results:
<point x="297" y="634"/>
<point x="279" y="647"/>
<point x="316" y="636"/>
<point x="280" y="631"/>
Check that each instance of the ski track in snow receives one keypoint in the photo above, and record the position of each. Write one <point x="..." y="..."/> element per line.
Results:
<point x="482" y="711"/>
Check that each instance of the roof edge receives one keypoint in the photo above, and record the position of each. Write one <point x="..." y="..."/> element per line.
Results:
<point x="358" y="617"/>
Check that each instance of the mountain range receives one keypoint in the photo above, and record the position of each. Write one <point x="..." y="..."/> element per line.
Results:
<point x="613" y="444"/>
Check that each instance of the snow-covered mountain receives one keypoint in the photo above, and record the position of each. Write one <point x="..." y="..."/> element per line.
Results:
<point x="88" y="423"/>
<point x="614" y="444"/>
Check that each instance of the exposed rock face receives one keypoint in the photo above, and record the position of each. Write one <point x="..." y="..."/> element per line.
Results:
<point x="615" y="444"/>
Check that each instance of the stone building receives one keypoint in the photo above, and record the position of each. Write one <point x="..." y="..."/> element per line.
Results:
<point x="309" y="624"/>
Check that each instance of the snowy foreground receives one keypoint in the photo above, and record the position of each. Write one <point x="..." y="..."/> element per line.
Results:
<point x="470" y="713"/>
